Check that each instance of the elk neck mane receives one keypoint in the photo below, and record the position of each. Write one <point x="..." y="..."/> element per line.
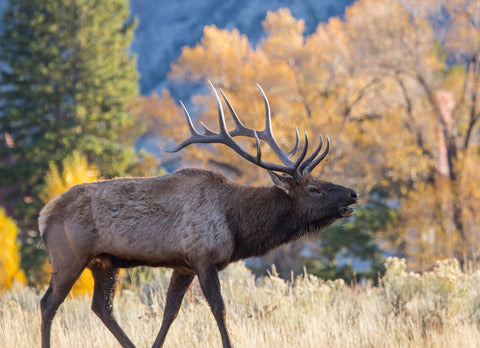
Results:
<point x="261" y="219"/>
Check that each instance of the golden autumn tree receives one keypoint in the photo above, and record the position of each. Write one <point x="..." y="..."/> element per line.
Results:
<point x="75" y="170"/>
<point x="386" y="137"/>
<point x="10" y="271"/>
<point x="217" y="57"/>
<point x="462" y="40"/>
<point x="399" y="98"/>
<point x="161" y="118"/>
<point x="437" y="109"/>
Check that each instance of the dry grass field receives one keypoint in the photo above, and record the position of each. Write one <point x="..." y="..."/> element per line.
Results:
<point x="440" y="308"/>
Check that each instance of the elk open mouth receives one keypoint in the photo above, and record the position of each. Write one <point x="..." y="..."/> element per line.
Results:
<point x="347" y="211"/>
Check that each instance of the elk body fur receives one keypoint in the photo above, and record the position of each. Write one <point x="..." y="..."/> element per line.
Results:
<point x="194" y="221"/>
<point x="146" y="220"/>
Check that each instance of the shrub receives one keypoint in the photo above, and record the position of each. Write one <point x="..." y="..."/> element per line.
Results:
<point x="10" y="271"/>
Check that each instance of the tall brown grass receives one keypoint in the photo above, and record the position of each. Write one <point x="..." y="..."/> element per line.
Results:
<point x="440" y="308"/>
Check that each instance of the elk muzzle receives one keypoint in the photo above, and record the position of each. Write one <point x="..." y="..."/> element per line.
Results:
<point x="348" y="211"/>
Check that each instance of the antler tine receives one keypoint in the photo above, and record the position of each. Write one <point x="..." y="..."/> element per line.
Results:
<point x="268" y="114"/>
<point x="207" y="131"/>
<point x="224" y="137"/>
<point x="315" y="163"/>
<point x="194" y="135"/>
<point x="310" y="158"/>
<point x="259" y="148"/>
<point x="304" y="152"/>
<point x="221" y="115"/>
<point x="293" y="151"/>
<point x="240" y="128"/>
<point x="266" y="134"/>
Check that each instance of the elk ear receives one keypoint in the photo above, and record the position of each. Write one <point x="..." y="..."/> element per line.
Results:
<point x="284" y="182"/>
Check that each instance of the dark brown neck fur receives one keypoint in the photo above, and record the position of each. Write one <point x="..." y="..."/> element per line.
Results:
<point x="264" y="218"/>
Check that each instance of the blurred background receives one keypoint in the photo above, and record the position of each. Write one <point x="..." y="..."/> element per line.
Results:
<point x="89" y="90"/>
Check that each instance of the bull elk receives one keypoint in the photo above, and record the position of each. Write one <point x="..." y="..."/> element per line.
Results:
<point x="193" y="221"/>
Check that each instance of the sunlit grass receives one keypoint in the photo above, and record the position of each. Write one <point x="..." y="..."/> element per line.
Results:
<point x="440" y="308"/>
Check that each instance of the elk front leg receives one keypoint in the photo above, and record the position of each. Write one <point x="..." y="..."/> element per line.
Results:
<point x="106" y="278"/>
<point x="210" y="284"/>
<point x="179" y="284"/>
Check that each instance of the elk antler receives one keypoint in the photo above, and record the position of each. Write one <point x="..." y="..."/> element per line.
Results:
<point x="296" y="169"/>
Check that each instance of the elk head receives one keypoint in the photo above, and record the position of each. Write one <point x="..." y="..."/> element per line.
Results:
<point x="317" y="203"/>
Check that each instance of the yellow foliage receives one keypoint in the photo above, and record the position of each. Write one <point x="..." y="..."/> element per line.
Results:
<point x="10" y="271"/>
<point x="161" y="115"/>
<point x="220" y="54"/>
<point x="369" y="82"/>
<point x="83" y="285"/>
<point x="75" y="170"/>
<point x="285" y="34"/>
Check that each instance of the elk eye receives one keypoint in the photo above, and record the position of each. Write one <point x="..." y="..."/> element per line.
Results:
<point x="313" y="189"/>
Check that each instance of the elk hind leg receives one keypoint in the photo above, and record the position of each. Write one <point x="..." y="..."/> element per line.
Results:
<point x="179" y="284"/>
<point x="58" y="289"/>
<point x="106" y="279"/>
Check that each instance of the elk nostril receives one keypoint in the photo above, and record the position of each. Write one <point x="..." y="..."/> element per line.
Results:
<point x="355" y="195"/>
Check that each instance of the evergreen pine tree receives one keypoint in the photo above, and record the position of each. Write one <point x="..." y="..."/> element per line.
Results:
<point x="67" y="80"/>
<point x="66" y="84"/>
